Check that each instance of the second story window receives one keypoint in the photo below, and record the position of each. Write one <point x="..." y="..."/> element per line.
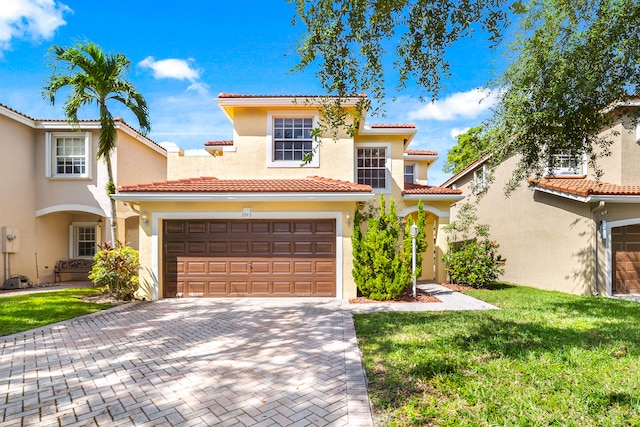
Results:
<point x="409" y="174"/>
<point x="68" y="155"/>
<point x="371" y="167"/>
<point x="292" y="138"/>
<point x="289" y="139"/>
<point x="566" y="164"/>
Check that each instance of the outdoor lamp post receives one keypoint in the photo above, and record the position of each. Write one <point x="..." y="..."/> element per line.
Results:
<point x="414" y="233"/>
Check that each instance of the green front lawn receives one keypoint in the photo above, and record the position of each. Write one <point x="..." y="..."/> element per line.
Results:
<point x="23" y="312"/>
<point x="546" y="358"/>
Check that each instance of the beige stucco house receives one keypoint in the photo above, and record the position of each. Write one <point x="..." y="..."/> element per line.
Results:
<point x="248" y="219"/>
<point x="569" y="232"/>
<point x="53" y="202"/>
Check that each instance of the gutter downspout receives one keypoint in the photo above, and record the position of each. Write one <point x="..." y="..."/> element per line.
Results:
<point x="596" y="243"/>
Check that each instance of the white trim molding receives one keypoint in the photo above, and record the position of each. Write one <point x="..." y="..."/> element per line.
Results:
<point x="291" y="114"/>
<point x="67" y="208"/>
<point x="435" y="211"/>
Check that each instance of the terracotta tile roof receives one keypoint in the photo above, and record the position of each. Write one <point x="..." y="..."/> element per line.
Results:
<point x="393" y="126"/>
<point x="17" y="112"/>
<point x="239" y="95"/>
<point x="310" y="184"/>
<point x="428" y="189"/>
<point x="420" y="153"/>
<point x="218" y="143"/>
<point x="580" y="186"/>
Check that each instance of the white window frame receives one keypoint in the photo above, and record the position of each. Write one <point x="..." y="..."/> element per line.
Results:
<point x="387" y="165"/>
<point x="480" y="180"/>
<point x="74" y="237"/>
<point x="579" y="170"/>
<point x="414" y="174"/>
<point x="50" y="147"/>
<point x="271" y="162"/>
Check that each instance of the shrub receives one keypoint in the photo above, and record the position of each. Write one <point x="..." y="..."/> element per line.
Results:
<point x="471" y="260"/>
<point x="116" y="270"/>
<point x="381" y="269"/>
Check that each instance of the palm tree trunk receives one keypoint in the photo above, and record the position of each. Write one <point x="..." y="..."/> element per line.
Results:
<point x="114" y="214"/>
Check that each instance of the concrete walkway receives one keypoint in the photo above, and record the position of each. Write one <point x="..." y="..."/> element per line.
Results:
<point x="236" y="362"/>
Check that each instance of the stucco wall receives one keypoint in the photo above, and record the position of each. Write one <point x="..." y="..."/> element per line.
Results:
<point x="547" y="240"/>
<point x="17" y="194"/>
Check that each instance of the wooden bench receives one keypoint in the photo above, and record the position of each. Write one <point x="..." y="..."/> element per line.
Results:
<point x="78" y="265"/>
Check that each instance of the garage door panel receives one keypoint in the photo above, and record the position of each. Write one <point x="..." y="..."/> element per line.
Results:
<point x="282" y="248"/>
<point x="236" y="267"/>
<point x="281" y="267"/>
<point x="325" y="248"/>
<point x="195" y="288"/>
<point x="260" y="287"/>
<point x="260" y="267"/>
<point x="196" y="248"/>
<point x="303" y="288"/>
<point x="260" y="248"/>
<point x="197" y="227"/>
<point x="217" y="248"/>
<point x="218" y="227"/>
<point x="249" y="258"/>
<point x="259" y="227"/>
<point x="239" y="228"/>
<point x="301" y="267"/>
<point x="239" y="248"/>
<point x="303" y="248"/>
<point x="303" y="227"/>
<point x="325" y="288"/>
<point x="239" y="286"/>
<point x="325" y="267"/>
<point x="217" y="287"/>
<point x="195" y="267"/>
<point x="325" y="227"/>
<point x="175" y="248"/>
<point x="175" y="227"/>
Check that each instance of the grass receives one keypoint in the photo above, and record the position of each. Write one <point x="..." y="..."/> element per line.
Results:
<point x="546" y="358"/>
<point x="23" y="312"/>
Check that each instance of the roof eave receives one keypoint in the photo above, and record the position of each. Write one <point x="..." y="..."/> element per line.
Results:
<point x="429" y="157"/>
<point x="593" y="198"/>
<point x="434" y="197"/>
<point x="242" y="197"/>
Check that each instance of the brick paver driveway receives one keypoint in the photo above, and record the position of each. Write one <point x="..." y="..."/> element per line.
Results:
<point x="188" y="362"/>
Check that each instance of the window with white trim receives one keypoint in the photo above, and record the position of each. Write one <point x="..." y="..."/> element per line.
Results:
<point x="566" y="164"/>
<point x="480" y="180"/>
<point x="290" y="139"/>
<point x="410" y="174"/>
<point x="68" y="155"/>
<point x="84" y="239"/>
<point x="372" y="166"/>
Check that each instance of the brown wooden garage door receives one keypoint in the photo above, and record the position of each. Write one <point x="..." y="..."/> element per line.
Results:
<point x="252" y="258"/>
<point x="626" y="259"/>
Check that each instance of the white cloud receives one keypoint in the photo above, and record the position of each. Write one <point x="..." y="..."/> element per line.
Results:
<point x="179" y="69"/>
<point x="457" y="131"/>
<point x="468" y="104"/>
<point x="38" y="19"/>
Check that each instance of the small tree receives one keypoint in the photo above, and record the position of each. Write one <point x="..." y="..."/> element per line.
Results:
<point x="472" y="258"/>
<point x="382" y="269"/>
<point x="116" y="270"/>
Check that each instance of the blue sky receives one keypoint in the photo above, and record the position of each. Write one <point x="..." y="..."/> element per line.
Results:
<point x="184" y="54"/>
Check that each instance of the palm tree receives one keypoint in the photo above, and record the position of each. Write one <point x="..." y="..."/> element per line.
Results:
<point x="94" y="77"/>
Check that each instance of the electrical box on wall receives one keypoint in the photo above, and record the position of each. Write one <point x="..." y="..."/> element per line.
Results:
<point x="10" y="240"/>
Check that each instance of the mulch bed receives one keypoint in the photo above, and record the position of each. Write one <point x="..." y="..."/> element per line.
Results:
<point x="406" y="296"/>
